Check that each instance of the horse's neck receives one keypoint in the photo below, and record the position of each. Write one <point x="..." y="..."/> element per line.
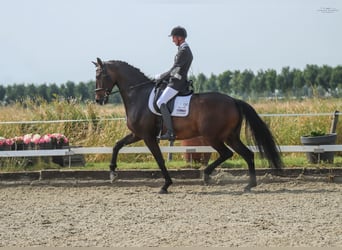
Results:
<point x="135" y="101"/>
<point x="131" y="76"/>
<point x="134" y="87"/>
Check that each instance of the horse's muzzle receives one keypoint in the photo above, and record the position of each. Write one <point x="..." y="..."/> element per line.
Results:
<point x="102" y="101"/>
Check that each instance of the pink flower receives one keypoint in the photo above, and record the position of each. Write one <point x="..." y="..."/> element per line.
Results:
<point x="66" y="140"/>
<point x="6" y="142"/>
<point x="2" y="141"/>
<point x="46" y="138"/>
<point x="9" y="142"/>
<point x="60" y="138"/>
<point x="18" y="139"/>
<point x="36" y="138"/>
<point x="27" y="138"/>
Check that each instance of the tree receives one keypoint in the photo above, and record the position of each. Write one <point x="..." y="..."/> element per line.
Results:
<point x="53" y="91"/>
<point x="223" y="81"/>
<point x="246" y="78"/>
<point x="82" y="91"/>
<point x="62" y="90"/>
<point x="234" y="83"/>
<point x="336" y="77"/>
<point x="270" y="80"/>
<point x="298" y="83"/>
<point x="2" y="93"/>
<point x="200" y="83"/>
<point x="10" y="94"/>
<point x="90" y="89"/>
<point x="323" y="77"/>
<point x="310" y="75"/>
<point x="70" y="89"/>
<point x="285" y="80"/>
<point x="20" y="91"/>
<point x="211" y="83"/>
<point x="42" y="92"/>
<point x="31" y="90"/>
<point x="258" y="85"/>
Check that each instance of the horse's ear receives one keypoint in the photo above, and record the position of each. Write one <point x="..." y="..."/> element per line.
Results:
<point x="99" y="62"/>
<point x="95" y="63"/>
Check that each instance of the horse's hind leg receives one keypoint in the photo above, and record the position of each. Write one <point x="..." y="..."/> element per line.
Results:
<point x="248" y="156"/>
<point x="224" y="154"/>
<point x="128" y="139"/>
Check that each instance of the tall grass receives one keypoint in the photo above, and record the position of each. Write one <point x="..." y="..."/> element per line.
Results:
<point x="289" y="129"/>
<point x="97" y="130"/>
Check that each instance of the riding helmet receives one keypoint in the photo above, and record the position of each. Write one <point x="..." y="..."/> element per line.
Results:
<point x="178" y="31"/>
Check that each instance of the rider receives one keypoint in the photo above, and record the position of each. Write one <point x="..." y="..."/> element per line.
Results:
<point x="176" y="78"/>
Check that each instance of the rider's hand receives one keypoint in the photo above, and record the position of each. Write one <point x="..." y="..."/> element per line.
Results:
<point x="158" y="80"/>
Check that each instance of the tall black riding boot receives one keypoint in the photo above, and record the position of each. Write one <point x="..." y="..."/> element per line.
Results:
<point x="169" y="135"/>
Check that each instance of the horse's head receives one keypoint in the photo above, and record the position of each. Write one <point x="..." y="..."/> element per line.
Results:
<point x="104" y="83"/>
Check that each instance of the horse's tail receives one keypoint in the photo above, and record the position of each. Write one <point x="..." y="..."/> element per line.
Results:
<point x="261" y="135"/>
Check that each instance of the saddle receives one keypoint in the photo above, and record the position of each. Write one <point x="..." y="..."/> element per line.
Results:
<point x="171" y="103"/>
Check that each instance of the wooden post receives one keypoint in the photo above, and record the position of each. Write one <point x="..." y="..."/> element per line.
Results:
<point x="169" y="156"/>
<point x="334" y="122"/>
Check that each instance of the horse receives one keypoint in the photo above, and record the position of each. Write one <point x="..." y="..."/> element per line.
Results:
<point x="216" y="117"/>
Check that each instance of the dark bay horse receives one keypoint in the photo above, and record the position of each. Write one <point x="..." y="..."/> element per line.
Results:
<point x="216" y="117"/>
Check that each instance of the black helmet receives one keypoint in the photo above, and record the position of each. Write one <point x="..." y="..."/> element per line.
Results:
<point x="178" y="31"/>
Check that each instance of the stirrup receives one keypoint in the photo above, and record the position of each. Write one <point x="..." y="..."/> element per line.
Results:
<point x="167" y="136"/>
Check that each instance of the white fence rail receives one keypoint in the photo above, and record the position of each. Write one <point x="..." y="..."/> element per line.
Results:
<point x="165" y="149"/>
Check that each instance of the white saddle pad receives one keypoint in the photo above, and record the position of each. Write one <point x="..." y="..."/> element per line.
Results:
<point x="180" y="109"/>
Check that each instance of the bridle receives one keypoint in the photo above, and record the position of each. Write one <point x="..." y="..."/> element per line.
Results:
<point x="105" y="77"/>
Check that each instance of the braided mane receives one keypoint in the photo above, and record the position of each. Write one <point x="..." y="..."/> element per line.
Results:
<point x="127" y="67"/>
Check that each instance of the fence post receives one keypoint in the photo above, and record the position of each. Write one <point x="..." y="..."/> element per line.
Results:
<point x="334" y="122"/>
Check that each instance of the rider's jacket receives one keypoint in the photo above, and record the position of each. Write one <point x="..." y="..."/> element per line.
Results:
<point x="177" y="76"/>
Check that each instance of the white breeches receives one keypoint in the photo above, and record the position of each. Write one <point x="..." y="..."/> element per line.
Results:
<point x="166" y="96"/>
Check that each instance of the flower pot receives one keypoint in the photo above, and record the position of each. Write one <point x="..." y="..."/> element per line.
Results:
<point x="46" y="146"/>
<point x="5" y="147"/>
<point x="28" y="146"/>
<point x="328" y="139"/>
<point x="59" y="159"/>
<point x="18" y="146"/>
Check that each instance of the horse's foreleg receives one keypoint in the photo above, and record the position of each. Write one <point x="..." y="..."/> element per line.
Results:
<point x="152" y="144"/>
<point x="128" y="139"/>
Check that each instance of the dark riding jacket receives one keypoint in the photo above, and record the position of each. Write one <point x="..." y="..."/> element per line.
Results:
<point x="177" y="76"/>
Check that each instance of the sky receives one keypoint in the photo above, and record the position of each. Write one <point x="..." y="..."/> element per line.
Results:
<point x="55" y="41"/>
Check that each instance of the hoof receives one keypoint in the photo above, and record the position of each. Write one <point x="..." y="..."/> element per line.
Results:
<point x="163" y="191"/>
<point x="249" y="187"/>
<point x="113" y="176"/>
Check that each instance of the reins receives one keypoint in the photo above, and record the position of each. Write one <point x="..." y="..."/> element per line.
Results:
<point x="132" y="87"/>
<point x="141" y="84"/>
